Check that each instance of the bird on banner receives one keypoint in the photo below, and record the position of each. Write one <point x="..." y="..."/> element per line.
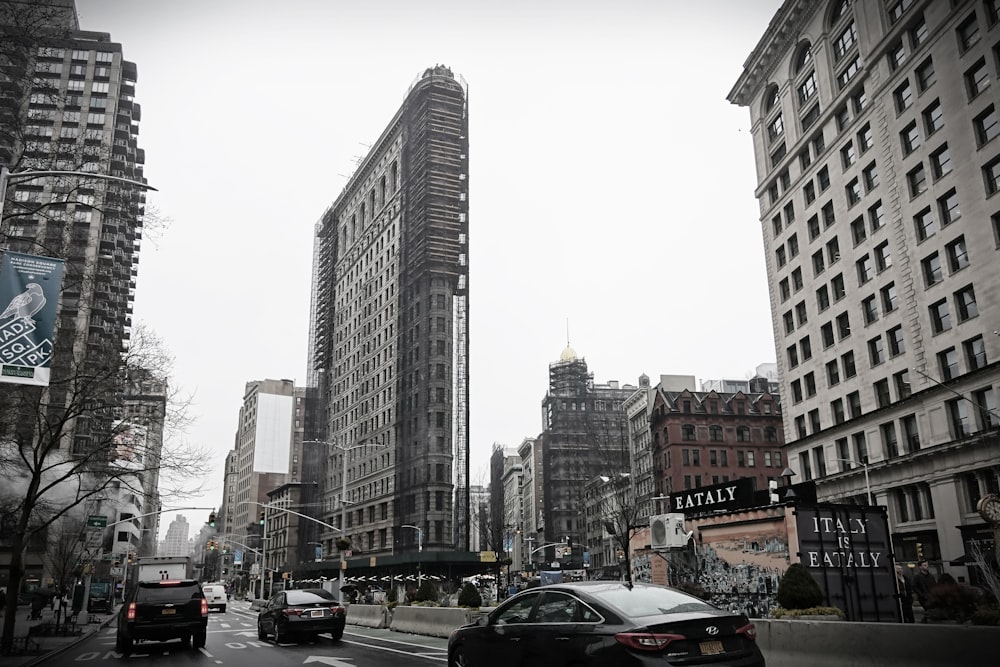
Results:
<point x="26" y="304"/>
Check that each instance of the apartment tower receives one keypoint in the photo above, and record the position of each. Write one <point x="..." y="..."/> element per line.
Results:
<point x="875" y="133"/>
<point x="388" y="349"/>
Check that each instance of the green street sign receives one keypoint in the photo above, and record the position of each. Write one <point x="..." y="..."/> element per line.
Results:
<point x="96" y="521"/>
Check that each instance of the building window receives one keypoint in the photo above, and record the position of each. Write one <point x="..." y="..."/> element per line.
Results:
<point x="784" y="289"/>
<point x="800" y="312"/>
<point x="986" y="126"/>
<point x="847" y="360"/>
<point x="889" y="299"/>
<point x="941" y="161"/>
<point x="948" y="206"/>
<point x="896" y="343"/>
<point x="813" y="225"/>
<point x="932" y="269"/>
<point x="793" y="356"/>
<point x="897" y="8"/>
<point x="975" y="353"/>
<point x="968" y="32"/>
<point x="948" y="363"/>
<point x="875" y="219"/>
<point x="846" y="41"/>
<point x="837" y="411"/>
<point x="870" y="174"/>
<point x="828" y="215"/>
<point x="977" y="78"/>
<point x="715" y="433"/>
<point x="809" y="193"/>
<point x="822" y="298"/>
<point x="961" y="420"/>
<point x="823" y="178"/>
<point x="986" y="408"/>
<point x="883" y="258"/>
<point x="911" y="435"/>
<point x="924" y="224"/>
<point x="965" y="303"/>
<point x="958" y="256"/>
<point x="837" y="285"/>
<point x="775" y="128"/>
<point x="940" y="316"/>
<point x="897" y="55"/>
<point x="865" y="139"/>
<point x="925" y="75"/>
<point x="869" y="309"/>
<point x="832" y="373"/>
<point x="933" y="117"/>
<point x="910" y="138"/>
<point x="991" y="175"/>
<point x="842" y="117"/>
<point x="876" y="351"/>
<point x="805" y="347"/>
<point x="854" y="404"/>
<point x="826" y="332"/>
<point x="904" y="97"/>
<point x="865" y="271"/>
<point x="687" y="432"/>
<point x="807" y="88"/>
<point x="889" y="442"/>
<point x="789" y="322"/>
<point x="858" y="233"/>
<point x="882" y="397"/>
<point x="845" y="75"/>
<point x="843" y="325"/>
<point x="780" y="257"/>
<point x="917" y="180"/>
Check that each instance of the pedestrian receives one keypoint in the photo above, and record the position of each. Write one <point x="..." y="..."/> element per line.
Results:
<point x="923" y="581"/>
<point x="905" y="595"/>
<point x="3" y="600"/>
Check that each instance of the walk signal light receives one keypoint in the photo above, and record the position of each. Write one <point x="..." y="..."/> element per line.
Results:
<point x="211" y="519"/>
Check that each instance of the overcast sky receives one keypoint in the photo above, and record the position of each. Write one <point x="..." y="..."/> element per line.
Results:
<point x="611" y="185"/>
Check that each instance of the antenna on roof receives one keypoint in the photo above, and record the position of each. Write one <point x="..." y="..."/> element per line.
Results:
<point x="567" y="332"/>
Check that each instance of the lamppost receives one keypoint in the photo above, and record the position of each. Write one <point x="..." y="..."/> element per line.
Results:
<point x="420" y="549"/>
<point x="868" y="486"/>
<point x="344" y="450"/>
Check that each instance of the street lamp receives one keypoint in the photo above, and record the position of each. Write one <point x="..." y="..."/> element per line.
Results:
<point x="868" y="486"/>
<point x="344" y="449"/>
<point x="420" y="549"/>
<point x="7" y="177"/>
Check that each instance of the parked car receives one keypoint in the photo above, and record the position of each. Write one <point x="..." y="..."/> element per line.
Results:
<point x="599" y="623"/>
<point x="304" y="612"/>
<point x="216" y="596"/>
<point x="161" y="610"/>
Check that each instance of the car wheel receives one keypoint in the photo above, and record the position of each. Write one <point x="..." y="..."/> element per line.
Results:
<point x="123" y="645"/>
<point x="223" y="609"/>
<point x="459" y="658"/>
<point x="277" y="635"/>
<point x="198" y="641"/>
<point x="261" y="635"/>
<point x="335" y="635"/>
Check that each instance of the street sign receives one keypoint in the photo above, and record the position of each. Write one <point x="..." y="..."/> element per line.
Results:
<point x="117" y="571"/>
<point x="97" y="521"/>
<point x="94" y="539"/>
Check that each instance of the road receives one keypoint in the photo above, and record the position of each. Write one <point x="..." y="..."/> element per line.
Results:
<point x="232" y="640"/>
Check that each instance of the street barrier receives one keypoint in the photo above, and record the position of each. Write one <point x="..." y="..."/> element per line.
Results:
<point x="788" y="643"/>
<point x="431" y="621"/>
<point x="368" y="615"/>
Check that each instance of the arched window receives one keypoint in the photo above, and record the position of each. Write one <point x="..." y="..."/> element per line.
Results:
<point x="687" y="432"/>
<point x="803" y="58"/>
<point x="840" y="9"/>
<point x="715" y="433"/>
<point x="770" y="97"/>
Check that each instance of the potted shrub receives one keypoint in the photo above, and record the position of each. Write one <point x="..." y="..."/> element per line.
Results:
<point x="950" y="601"/>
<point x="801" y="597"/>
<point x="469" y="597"/>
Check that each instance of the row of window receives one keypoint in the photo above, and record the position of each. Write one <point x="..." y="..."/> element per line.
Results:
<point x="720" y="458"/>
<point x="716" y="433"/>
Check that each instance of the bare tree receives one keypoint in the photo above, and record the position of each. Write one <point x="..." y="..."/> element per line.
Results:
<point x="64" y="445"/>
<point x="988" y="567"/>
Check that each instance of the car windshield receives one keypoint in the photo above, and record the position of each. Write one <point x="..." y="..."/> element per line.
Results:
<point x="168" y="593"/>
<point x="309" y="597"/>
<point x="651" y="600"/>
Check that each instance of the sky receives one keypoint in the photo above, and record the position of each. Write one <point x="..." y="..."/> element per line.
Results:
<point x="611" y="187"/>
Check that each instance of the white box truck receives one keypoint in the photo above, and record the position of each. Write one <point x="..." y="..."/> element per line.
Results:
<point x="153" y="568"/>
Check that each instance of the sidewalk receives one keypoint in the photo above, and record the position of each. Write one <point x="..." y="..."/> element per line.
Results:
<point x="49" y="645"/>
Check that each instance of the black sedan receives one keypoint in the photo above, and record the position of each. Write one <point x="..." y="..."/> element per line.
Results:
<point x="600" y="623"/>
<point x="301" y="613"/>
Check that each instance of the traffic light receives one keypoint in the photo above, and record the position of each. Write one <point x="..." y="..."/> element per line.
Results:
<point x="117" y="562"/>
<point x="261" y="517"/>
<point x="211" y="519"/>
<point x="920" y="552"/>
<point x="131" y="558"/>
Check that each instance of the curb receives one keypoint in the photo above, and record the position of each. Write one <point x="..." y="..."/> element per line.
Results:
<point x="65" y="647"/>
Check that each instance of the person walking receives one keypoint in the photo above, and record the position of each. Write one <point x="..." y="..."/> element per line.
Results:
<point x="3" y="600"/>
<point x="905" y="595"/>
<point x="923" y="581"/>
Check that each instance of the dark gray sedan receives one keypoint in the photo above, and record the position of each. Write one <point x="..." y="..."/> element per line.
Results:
<point x="599" y="623"/>
<point x="301" y="613"/>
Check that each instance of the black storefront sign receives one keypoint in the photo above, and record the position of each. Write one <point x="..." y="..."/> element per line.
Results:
<point x="728" y="496"/>
<point x="848" y="551"/>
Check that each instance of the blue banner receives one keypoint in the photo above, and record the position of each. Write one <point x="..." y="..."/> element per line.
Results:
<point x="29" y="299"/>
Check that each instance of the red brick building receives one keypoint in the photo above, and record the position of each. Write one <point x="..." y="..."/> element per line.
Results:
<point x="704" y="438"/>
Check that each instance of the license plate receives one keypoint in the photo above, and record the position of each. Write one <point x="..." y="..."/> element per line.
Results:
<point x="711" y="648"/>
<point x="316" y="613"/>
<point x="166" y="612"/>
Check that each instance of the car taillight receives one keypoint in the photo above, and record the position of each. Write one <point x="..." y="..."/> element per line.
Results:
<point x="204" y="607"/>
<point x="130" y="612"/>
<point x="337" y="610"/>
<point x="647" y="641"/>
<point x="750" y="630"/>
<point x="293" y="611"/>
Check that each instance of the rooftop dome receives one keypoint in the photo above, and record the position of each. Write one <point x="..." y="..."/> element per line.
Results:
<point x="569" y="354"/>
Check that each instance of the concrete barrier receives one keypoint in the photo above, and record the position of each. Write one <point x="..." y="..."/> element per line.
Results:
<point x="431" y="621"/>
<point x="368" y="615"/>
<point x="787" y="643"/>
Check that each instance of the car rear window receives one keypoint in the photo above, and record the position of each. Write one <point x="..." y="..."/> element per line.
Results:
<point x="651" y="600"/>
<point x="308" y="597"/>
<point x="161" y="592"/>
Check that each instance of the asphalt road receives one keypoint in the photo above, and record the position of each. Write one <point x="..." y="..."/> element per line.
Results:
<point x="232" y="640"/>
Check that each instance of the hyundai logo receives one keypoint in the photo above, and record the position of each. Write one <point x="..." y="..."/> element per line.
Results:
<point x="712" y="630"/>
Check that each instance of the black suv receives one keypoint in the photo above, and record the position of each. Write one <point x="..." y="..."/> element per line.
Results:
<point x="162" y="610"/>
